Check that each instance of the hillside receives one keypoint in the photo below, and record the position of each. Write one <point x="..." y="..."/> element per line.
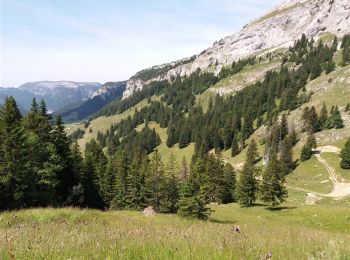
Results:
<point x="234" y="81"/>
<point x="101" y="97"/>
<point x="277" y="29"/>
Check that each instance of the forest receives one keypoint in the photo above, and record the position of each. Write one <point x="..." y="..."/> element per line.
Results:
<point x="40" y="166"/>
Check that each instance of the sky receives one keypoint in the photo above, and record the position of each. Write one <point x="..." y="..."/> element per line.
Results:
<point x="110" y="40"/>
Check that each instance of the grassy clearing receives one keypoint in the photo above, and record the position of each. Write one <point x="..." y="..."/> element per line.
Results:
<point x="291" y="233"/>
<point x="326" y="38"/>
<point x="103" y="123"/>
<point x="311" y="175"/>
<point x="164" y="150"/>
<point x="334" y="161"/>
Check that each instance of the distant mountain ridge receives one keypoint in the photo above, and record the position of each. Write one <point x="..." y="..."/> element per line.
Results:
<point x="57" y="94"/>
<point x="101" y="97"/>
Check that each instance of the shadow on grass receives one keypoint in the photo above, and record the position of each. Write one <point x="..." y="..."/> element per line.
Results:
<point x="280" y="208"/>
<point x="213" y="220"/>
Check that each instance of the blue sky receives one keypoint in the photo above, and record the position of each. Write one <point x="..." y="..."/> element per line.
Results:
<point x="105" y="40"/>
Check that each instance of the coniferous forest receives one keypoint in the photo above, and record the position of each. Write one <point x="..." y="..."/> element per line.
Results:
<point x="40" y="166"/>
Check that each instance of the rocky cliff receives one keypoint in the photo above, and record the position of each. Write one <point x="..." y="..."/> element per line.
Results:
<point x="279" y="28"/>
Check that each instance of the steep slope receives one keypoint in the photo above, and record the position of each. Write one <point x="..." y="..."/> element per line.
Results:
<point x="57" y="94"/>
<point x="279" y="28"/>
<point x="101" y="97"/>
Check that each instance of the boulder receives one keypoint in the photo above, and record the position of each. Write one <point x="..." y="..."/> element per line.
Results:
<point x="311" y="199"/>
<point x="149" y="211"/>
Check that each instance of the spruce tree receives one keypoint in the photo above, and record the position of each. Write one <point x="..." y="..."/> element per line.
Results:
<point x="65" y="176"/>
<point x="155" y="181"/>
<point x="284" y="129"/>
<point x="335" y="120"/>
<point x="169" y="203"/>
<point x="307" y="152"/>
<point x="191" y="204"/>
<point x="247" y="186"/>
<point x="14" y="179"/>
<point x="273" y="190"/>
<point x="134" y="188"/>
<point x="345" y="156"/>
<point x="230" y="183"/>
<point x="121" y="169"/>
<point x="184" y="173"/>
<point x="234" y="148"/>
<point x="247" y="127"/>
<point x="76" y="197"/>
<point x="347" y="108"/>
<point x="323" y="116"/>
<point x="286" y="156"/>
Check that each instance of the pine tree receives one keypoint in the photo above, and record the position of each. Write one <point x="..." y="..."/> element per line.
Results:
<point x="323" y="116"/>
<point x="184" y="173"/>
<point x="334" y="47"/>
<point x="247" y="186"/>
<point x="335" y="120"/>
<point x="76" y="197"/>
<point x="247" y="128"/>
<point x="273" y="190"/>
<point x="44" y="122"/>
<point x="90" y="183"/>
<point x="169" y="203"/>
<point x="228" y="135"/>
<point x="155" y="181"/>
<point x="252" y="152"/>
<point x="284" y="129"/>
<point x="307" y="152"/>
<point x="65" y="176"/>
<point x="230" y="183"/>
<point x="345" y="156"/>
<point x="234" y="148"/>
<point x="191" y="204"/>
<point x="14" y="179"/>
<point x="134" y="188"/>
<point x="347" y="108"/>
<point x="286" y="156"/>
<point x="121" y="170"/>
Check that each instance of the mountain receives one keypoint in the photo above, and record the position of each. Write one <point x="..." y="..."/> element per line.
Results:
<point x="101" y="97"/>
<point x="277" y="29"/>
<point x="57" y="94"/>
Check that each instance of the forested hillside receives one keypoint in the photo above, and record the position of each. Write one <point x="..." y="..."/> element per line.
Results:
<point x="122" y="168"/>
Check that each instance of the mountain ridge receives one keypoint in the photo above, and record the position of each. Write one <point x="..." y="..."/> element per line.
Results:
<point x="278" y="28"/>
<point x="57" y="94"/>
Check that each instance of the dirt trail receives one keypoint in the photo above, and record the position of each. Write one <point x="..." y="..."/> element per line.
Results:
<point x="340" y="189"/>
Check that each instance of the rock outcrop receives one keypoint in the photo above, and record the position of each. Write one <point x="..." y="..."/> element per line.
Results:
<point x="279" y="28"/>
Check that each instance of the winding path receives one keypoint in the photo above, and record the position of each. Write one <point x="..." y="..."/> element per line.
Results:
<point x="340" y="189"/>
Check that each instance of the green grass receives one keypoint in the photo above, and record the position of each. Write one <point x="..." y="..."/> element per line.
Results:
<point x="103" y="123"/>
<point x="275" y="13"/>
<point x="164" y="150"/>
<point x="295" y="232"/>
<point x="326" y="38"/>
<point x="334" y="161"/>
<point x="311" y="175"/>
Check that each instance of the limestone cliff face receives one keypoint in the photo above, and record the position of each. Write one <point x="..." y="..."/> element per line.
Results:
<point x="279" y="28"/>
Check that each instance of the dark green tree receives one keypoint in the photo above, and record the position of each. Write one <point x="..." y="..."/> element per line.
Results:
<point x="248" y="185"/>
<point x="273" y="190"/>
<point x="286" y="156"/>
<point x="14" y="180"/>
<point x="345" y="156"/>
<point x="323" y="116"/>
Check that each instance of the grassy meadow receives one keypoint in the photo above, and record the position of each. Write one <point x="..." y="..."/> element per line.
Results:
<point x="294" y="231"/>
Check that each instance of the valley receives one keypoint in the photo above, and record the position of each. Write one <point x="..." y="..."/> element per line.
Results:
<point x="239" y="152"/>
